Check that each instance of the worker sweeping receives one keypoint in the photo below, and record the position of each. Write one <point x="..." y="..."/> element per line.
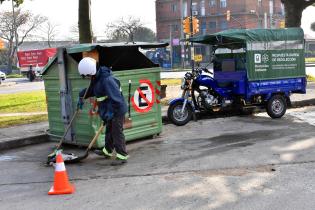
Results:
<point x="111" y="107"/>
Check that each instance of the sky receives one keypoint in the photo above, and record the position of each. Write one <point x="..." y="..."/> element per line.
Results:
<point x="64" y="13"/>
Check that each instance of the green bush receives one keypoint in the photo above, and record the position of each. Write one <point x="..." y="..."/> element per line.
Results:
<point x="15" y="76"/>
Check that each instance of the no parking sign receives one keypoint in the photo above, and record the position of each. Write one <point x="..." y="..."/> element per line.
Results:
<point x="144" y="97"/>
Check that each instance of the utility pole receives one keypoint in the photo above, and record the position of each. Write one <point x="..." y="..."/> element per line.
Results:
<point x="271" y="13"/>
<point x="192" y="50"/>
<point x="182" y="47"/>
<point x="265" y="20"/>
<point x="15" y="48"/>
<point x="171" y="47"/>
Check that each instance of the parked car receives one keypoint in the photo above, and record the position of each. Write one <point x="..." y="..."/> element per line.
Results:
<point x="2" y="75"/>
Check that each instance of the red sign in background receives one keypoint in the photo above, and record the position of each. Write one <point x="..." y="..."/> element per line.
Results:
<point x="35" y="57"/>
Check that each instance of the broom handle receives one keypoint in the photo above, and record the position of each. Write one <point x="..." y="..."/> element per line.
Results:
<point x="129" y="98"/>
<point x="95" y="138"/>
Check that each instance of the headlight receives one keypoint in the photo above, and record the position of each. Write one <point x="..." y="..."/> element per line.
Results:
<point x="188" y="76"/>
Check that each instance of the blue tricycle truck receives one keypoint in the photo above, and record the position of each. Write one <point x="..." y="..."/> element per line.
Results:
<point x="251" y="68"/>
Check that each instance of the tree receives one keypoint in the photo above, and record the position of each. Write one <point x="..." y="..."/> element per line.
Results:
<point x="17" y="2"/>
<point x="50" y="31"/>
<point x="145" y="34"/>
<point x="3" y="57"/>
<point x="130" y="30"/>
<point x="85" y="29"/>
<point x="293" y="11"/>
<point x="24" y="22"/>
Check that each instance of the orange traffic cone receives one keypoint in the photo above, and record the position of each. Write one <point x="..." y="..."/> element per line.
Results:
<point x="61" y="181"/>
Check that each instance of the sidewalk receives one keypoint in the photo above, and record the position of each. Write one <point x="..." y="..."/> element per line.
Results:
<point x="22" y="135"/>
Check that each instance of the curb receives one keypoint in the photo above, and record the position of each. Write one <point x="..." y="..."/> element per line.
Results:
<point x="7" y="84"/>
<point x="15" y="143"/>
<point x="297" y="104"/>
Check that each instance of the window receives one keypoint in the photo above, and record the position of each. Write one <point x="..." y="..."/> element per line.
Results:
<point x="224" y="25"/>
<point x="212" y="25"/>
<point x="202" y="8"/>
<point x="212" y="3"/>
<point x="203" y="27"/>
<point x="223" y="3"/>
<point x="175" y="28"/>
<point x="194" y="6"/>
<point x="174" y="7"/>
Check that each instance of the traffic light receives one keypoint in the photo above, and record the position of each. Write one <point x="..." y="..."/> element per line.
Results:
<point x="195" y="22"/>
<point x="186" y="25"/>
<point x="228" y="15"/>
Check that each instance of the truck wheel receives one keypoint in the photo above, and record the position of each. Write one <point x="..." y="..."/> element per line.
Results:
<point x="276" y="106"/>
<point x="175" y="115"/>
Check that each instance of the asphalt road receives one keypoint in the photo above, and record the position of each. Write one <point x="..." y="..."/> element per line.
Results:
<point x="24" y="85"/>
<point x="239" y="163"/>
<point x="17" y="85"/>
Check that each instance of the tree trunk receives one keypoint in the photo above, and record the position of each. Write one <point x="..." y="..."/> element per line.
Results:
<point x="293" y="14"/>
<point x="10" y="55"/>
<point x="293" y="11"/>
<point x="10" y="63"/>
<point x="85" y="31"/>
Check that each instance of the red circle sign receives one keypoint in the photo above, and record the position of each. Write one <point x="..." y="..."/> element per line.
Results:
<point x="143" y="98"/>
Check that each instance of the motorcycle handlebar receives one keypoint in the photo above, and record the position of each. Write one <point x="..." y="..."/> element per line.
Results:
<point x="206" y="70"/>
<point x="199" y="71"/>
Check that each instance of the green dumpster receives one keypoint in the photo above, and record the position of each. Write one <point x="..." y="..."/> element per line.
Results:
<point x="140" y="83"/>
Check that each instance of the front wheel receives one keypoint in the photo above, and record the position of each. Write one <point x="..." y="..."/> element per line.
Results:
<point x="276" y="106"/>
<point x="175" y="114"/>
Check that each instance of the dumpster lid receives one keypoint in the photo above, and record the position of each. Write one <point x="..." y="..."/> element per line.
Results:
<point x="90" y="47"/>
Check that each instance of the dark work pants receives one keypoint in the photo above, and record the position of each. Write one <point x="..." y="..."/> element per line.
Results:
<point x="114" y="136"/>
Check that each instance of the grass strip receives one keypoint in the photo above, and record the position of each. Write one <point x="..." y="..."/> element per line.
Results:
<point x="15" y="76"/>
<point x="34" y="101"/>
<point x="20" y="120"/>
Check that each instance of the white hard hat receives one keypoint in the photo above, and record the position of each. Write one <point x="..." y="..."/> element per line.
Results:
<point x="87" y="66"/>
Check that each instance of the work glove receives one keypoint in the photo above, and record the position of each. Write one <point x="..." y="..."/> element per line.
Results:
<point x="108" y="116"/>
<point x="80" y="103"/>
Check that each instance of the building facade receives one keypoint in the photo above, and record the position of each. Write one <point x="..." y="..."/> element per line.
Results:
<point x="212" y="15"/>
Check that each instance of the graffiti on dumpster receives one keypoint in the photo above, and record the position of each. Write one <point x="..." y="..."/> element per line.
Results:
<point x="144" y="96"/>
